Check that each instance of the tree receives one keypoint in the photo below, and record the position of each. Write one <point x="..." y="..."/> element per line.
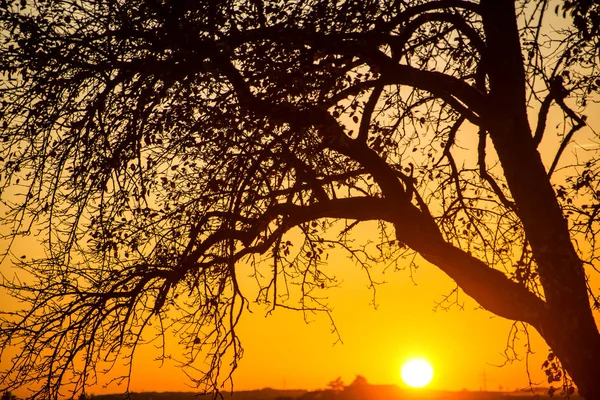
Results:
<point x="6" y="395"/>
<point x="336" y="385"/>
<point x="154" y="145"/>
<point x="359" y="382"/>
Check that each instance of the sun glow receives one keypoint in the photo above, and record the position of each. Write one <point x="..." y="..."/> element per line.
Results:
<point x="417" y="373"/>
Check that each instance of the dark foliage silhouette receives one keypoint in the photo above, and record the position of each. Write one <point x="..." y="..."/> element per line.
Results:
<point x="155" y="146"/>
<point x="6" y="395"/>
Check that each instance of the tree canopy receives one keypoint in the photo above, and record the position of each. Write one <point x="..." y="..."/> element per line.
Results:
<point x="155" y="145"/>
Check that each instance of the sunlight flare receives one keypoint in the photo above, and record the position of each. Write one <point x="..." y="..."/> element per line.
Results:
<point x="417" y="373"/>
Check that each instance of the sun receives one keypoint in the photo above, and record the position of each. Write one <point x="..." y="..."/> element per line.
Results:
<point x="417" y="373"/>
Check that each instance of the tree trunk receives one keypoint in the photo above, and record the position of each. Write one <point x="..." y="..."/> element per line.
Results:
<point x="577" y="346"/>
<point x="571" y="330"/>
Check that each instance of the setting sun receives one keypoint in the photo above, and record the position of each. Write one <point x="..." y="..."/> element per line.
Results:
<point x="417" y="373"/>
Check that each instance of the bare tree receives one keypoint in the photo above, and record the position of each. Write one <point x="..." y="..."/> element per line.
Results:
<point x="154" y="145"/>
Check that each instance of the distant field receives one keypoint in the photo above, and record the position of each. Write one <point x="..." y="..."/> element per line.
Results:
<point x="366" y="392"/>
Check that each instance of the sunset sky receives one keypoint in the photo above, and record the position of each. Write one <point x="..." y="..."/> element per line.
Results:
<point x="468" y="347"/>
<point x="465" y="346"/>
<point x="282" y="351"/>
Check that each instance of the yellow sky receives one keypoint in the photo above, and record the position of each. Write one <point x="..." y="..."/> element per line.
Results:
<point x="282" y="351"/>
<point x="465" y="347"/>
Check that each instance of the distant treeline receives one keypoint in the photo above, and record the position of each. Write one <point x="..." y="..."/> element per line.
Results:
<point x="351" y="392"/>
<point x="263" y="394"/>
<point x="358" y="390"/>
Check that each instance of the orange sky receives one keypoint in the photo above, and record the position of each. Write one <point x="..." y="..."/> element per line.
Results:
<point x="281" y="351"/>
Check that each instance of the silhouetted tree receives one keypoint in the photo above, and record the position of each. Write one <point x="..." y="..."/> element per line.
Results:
<point x="336" y="385"/>
<point x="6" y="395"/>
<point x="358" y="389"/>
<point x="359" y="382"/>
<point x="155" y="145"/>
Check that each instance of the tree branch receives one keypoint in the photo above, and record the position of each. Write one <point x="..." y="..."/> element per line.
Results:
<point x="542" y="118"/>
<point x="579" y="123"/>
<point x="444" y="86"/>
<point x="365" y="122"/>
<point x="486" y="176"/>
<point x="456" y="20"/>
<point x="489" y="287"/>
<point x="492" y="289"/>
